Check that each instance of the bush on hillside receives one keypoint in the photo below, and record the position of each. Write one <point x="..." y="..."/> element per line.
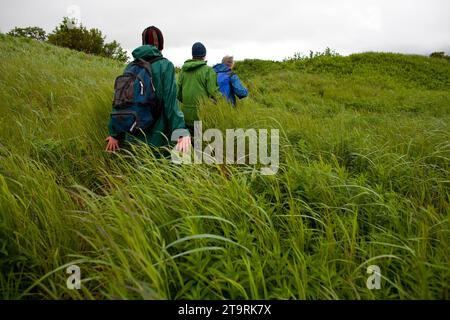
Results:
<point x="440" y="55"/>
<point x="36" y="33"/>
<point x="328" y="52"/>
<point x="72" y="36"/>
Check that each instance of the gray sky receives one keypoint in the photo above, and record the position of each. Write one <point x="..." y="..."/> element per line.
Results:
<point x="265" y="29"/>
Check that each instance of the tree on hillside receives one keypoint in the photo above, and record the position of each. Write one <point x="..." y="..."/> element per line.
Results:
<point x="440" y="55"/>
<point x="115" y="51"/>
<point x="29" y="32"/>
<point x="77" y="37"/>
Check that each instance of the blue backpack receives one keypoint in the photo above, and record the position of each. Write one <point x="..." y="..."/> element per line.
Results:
<point x="135" y="106"/>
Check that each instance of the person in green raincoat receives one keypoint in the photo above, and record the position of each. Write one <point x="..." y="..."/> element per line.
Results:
<point x="172" y="119"/>
<point x="196" y="82"/>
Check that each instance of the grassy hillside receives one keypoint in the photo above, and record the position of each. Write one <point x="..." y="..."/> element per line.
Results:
<point x="364" y="180"/>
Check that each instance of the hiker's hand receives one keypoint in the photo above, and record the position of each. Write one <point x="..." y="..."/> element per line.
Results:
<point x="113" y="144"/>
<point x="184" y="144"/>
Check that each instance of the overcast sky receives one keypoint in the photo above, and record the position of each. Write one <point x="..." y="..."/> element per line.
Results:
<point x="265" y="29"/>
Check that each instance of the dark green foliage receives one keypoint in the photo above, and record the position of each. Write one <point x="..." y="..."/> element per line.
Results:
<point x="35" y="33"/>
<point x="298" y="56"/>
<point x="440" y="55"/>
<point x="114" y="50"/>
<point x="92" y="41"/>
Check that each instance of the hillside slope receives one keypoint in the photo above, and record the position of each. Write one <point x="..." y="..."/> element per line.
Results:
<point x="364" y="180"/>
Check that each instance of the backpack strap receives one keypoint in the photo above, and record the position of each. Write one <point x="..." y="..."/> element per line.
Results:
<point x="147" y="64"/>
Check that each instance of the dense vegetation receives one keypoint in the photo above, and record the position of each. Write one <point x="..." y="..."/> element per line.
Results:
<point x="364" y="180"/>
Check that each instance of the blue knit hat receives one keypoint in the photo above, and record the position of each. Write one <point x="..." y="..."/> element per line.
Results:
<point x="198" y="50"/>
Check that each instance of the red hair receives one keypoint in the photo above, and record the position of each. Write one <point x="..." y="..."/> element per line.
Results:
<point x="153" y="36"/>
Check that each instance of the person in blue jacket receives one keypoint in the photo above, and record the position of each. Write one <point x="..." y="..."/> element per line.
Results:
<point x="229" y="83"/>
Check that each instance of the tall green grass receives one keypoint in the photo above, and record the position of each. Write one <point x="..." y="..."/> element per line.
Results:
<point x="364" y="180"/>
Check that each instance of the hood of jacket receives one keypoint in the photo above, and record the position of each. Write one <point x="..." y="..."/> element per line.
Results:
<point x="192" y="64"/>
<point x="221" y="68"/>
<point x="146" y="52"/>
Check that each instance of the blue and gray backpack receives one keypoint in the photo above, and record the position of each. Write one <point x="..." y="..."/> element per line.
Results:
<point x="135" y="106"/>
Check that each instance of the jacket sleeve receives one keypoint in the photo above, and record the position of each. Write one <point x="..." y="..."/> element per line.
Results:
<point x="113" y="133"/>
<point x="180" y="87"/>
<point x="240" y="91"/>
<point x="211" y="85"/>
<point x="175" y="118"/>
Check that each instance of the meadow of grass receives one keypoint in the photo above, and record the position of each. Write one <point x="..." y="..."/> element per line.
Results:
<point x="364" y="180"/>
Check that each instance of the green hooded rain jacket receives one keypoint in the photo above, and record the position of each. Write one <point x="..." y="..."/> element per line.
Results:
<point x="196" y="82"/>
<point x="172" y="118"/>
